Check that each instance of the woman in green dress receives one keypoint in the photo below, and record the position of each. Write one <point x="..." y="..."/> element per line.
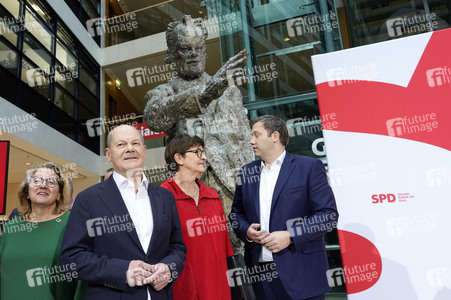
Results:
<point x="30" y="244"/>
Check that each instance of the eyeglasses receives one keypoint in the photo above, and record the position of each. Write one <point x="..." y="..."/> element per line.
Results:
<point x="198" y="152"/>
<point x="50" y="182"/>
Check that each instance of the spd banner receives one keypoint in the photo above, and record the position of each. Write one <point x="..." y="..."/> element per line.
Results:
<point x="389" y="159"/>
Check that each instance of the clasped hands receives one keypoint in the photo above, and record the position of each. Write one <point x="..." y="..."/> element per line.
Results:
<point x="275" y="241"/>
<point x="140" y="273"/>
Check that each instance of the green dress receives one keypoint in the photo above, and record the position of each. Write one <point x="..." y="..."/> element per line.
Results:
<point x="29" y="261"/>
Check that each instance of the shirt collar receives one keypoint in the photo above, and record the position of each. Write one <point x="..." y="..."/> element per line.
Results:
<point x="123" y="182"/>
<point x="278" y="161"/>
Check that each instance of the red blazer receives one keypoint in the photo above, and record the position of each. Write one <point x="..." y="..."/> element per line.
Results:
<point x="205" y="234"/>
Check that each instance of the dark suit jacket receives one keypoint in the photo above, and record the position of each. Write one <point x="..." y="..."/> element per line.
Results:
<point x="101" y="240"/>
<point x="301" y="191"/>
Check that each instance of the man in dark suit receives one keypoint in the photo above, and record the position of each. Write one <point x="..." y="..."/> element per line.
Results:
<point x="282" y="208"/>
<point x="124" y="234"/>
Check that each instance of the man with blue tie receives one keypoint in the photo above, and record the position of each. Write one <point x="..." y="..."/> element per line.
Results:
<point x="282" y="208"/>
<point x="124" y="234"/>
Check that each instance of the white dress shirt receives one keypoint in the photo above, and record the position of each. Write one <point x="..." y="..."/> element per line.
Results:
<point x="139" y="208"/>
<point x="268" y="179"/>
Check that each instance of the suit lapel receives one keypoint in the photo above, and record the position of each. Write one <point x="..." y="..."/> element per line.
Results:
<point x="156" y="203"/>
<point x="285" y="173"/>
<point x="113" y="200"/>
<point x="255" y="185"/>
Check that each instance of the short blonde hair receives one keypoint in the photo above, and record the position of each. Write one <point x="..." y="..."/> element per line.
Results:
<point x="22" y="193"/>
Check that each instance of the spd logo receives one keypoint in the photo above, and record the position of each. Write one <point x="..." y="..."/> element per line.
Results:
<point x="383" y="198"/>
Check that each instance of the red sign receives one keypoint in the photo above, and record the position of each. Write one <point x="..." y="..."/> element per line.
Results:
<point x="147" y="133"/>
<point x="4" y="159"/>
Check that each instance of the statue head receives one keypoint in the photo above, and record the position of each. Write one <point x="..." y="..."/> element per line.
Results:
<point x="186" y="47"/>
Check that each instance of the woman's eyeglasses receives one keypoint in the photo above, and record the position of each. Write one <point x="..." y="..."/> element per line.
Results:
<point x="50" y="182"/>
<point x="198" y="152"/>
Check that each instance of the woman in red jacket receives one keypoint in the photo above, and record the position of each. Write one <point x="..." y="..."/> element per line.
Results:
<point x="203" y="223"/>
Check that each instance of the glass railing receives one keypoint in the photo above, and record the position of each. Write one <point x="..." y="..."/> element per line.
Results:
<point x="149" y="20"/>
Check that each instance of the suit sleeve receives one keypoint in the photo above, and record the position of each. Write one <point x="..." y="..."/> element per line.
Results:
<point x="176" y="254"/>
<point x="77" y="247"/>
<point x="237" y="215"/>
<point x="324" y="216"/>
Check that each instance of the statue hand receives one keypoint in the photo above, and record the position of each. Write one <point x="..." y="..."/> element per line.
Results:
<point x="219" y="82"/>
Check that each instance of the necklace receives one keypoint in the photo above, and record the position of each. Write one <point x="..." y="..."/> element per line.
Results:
<point x="195" y="192"/>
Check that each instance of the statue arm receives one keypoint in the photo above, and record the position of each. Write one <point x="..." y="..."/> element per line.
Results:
<point x="164" y="107"/>
<point x="220" y="81"/>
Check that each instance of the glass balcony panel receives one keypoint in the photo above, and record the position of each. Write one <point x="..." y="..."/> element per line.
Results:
<point x="88" y="80"/>
<point x="13" y="6"/>
<point x="8" y="58"/>
<point x="66" y="58"/>
<point x="38" y="30"/>
<point x="64" y="101"/>
<point x="36" y="79"/>
<point x="36" y="53"/>
<point x="144" y="20"/>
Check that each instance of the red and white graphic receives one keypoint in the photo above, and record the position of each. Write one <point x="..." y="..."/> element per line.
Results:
<point x="147" y="133"/>
<point x="4" y="161"/>
<point x="399" y="124"/>
<point x="362" y="263"/>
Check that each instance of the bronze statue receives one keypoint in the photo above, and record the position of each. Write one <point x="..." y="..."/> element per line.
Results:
<point x="195" y="103"/>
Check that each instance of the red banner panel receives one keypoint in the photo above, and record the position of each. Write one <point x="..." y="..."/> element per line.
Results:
<point x="147" y="133"/>
<point x="4" y="159"/>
